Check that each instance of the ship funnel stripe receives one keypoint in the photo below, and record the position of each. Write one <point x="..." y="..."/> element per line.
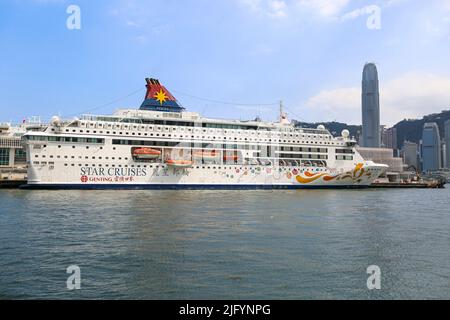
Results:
<point x="158" y="98"/>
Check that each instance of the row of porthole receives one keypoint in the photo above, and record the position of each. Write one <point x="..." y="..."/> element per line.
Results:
<point x="203" y="137"/>
<point x="162" y="128"/>
<point x="198" y="167"/>
<point x="80" y="157"/>
<point x="114" y="148"/>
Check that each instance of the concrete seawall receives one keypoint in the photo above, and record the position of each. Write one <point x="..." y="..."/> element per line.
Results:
<point x="12" y="178"/>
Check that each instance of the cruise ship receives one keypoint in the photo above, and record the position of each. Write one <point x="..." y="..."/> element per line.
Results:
<point x="163" y="146"/>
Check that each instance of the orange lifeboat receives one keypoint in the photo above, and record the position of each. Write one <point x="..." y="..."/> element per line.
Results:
<point x="179" y="163"/>
<point x="230" y="158"/>
<point x="206" y="155"/>
<point x="146" y="153"/>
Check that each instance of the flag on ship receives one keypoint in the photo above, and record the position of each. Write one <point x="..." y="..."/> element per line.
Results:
<point x="158" y="98"/>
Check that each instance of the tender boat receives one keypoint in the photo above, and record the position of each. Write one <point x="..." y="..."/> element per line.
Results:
<point x="230" y="158"/>
<point x="179" y="163"/>
<point x="206" y="155"/>
<point x="146" y="153"/>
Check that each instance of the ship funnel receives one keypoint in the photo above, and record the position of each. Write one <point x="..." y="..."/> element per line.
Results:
<point x="158" y="98"/>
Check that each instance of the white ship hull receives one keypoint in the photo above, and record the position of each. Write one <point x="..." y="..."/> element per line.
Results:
<point x="203" y="177"/>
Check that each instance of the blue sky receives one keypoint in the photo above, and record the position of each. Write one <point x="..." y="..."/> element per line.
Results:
<point x="308" y="53"/>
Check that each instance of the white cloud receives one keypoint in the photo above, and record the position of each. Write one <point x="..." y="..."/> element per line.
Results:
<point x="326" y="8"/>
<point x="131" y="23"/>
<point x="357" y="13"/>
<point x="261" y="50"/>
<point x="395" y="2"/>
<point x="445" y="4"/>
<point x="142" y="39"/>
<point x="266" y="8"/>
<point x="49" y="1"/>
<point x="281" y="8"/>
<point x="277" y="8"/>
<point x="412" y="95"/>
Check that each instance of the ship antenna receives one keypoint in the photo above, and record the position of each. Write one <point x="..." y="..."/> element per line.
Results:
<point x="282" y="114"/>
<point x="281" y="111"/>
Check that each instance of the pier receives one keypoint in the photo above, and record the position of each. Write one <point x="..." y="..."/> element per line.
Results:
<point x="12" y="178"/>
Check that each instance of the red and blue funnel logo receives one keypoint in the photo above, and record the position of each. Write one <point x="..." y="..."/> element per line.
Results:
<point x="158" y="98"/>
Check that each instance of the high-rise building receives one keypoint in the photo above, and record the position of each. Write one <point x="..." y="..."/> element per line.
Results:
<point x="431" y="147"/>
<point x="389" y="138"/>
<point x="447" y="143"/>
<point x="410" y="154"/>
<point x="384" y="156"/>
<point x="370" y="107"/>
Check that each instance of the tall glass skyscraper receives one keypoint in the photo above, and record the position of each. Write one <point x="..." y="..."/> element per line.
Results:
<point x="447" y="143"/>
<point x="410" y="154"/>
<point x="431" y="147"/>
<point x="371" y="137"/>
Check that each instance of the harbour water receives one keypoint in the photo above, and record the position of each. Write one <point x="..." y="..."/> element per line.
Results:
<point x="225" y="244"/>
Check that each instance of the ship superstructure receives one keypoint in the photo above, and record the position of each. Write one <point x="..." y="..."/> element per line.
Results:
<point x="161" y="145"/>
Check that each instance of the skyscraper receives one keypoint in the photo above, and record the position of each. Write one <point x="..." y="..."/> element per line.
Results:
<point x="431" y="147"/>
<point x="389" y="138"/>
<point x="447" y="143"/>
<point x="410" y="154"/>
<point x="370" y="107"/>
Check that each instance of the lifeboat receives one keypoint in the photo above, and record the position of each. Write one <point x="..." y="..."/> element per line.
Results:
<point x="146" y="153"/>
<point x="230" y="158"/>
<point x="206" y="155"/>
<point x="179" y="163"/>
